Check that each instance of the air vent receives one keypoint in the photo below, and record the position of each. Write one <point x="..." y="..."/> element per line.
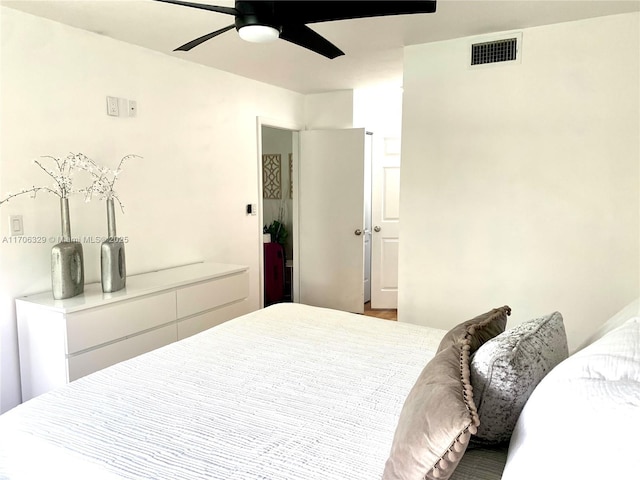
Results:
<point x="505" y="50"/>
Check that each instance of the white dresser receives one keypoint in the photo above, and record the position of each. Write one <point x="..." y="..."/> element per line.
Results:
<point x="63" y="340"/>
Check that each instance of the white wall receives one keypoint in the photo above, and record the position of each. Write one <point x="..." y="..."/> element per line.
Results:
<point x="185" y="200"/>
<point x="329" y="110"/>
<point x="379" y="110"/>
<point x="520" y="183"/>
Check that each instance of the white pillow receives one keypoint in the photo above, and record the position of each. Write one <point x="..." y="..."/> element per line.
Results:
<point x="583" y="419"/>
<point x="630" y="311"/>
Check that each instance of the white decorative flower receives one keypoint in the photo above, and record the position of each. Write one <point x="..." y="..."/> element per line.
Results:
<point x="104" y="180"/>
<point x="61" y="174"/>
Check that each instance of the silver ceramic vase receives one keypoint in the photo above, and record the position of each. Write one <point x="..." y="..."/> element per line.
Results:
<point x="67" y="261"/>
<point x="112" y="261"/>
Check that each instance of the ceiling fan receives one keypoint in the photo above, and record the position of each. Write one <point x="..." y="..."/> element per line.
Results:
<point x="263" y="21"/>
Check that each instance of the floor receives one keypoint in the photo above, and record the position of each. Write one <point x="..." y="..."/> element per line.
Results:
<point x="386" y="314"/>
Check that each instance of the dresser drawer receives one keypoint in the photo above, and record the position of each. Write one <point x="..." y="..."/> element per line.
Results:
<point x="94" y="360"/>
<point x="97" y="326"/>
<point x="198" y="323"/>
<point x="212" y="293"/>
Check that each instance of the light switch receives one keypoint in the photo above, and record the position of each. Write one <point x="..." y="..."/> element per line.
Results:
<point x="15" y="225"/>
<point x="252" y="209"/>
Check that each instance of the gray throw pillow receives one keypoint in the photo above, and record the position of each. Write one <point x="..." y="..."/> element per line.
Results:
<point x="507" y="368"/>
<point x="439" y="416"/>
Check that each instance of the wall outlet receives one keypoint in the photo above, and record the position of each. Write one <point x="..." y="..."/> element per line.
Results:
<point x="112" y="106"/>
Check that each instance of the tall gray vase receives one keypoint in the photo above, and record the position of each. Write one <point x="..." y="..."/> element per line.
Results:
<point x="67" y="261"/>
<point x="112" y="261"/>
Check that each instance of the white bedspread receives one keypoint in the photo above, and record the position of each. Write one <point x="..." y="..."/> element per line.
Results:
<point x="288" y="392"/>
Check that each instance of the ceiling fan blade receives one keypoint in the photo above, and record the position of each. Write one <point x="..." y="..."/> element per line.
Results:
<point x="305" y="37"/>
<point x="311" y="11"/>
<point x="194" y="43"/>
<point x="213" y="8"/>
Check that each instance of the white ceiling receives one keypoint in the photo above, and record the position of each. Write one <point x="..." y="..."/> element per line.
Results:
<point x="373" y="46"/>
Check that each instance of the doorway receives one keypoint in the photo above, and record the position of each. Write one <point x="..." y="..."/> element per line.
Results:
<point x="279" y="191"/>
<point x="277" y="214"/>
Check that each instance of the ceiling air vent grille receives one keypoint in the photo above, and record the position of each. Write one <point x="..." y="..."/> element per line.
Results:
<point x="493" y="52"/>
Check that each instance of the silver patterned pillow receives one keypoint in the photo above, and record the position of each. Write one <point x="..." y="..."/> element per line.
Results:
<point x="507" y="368"/>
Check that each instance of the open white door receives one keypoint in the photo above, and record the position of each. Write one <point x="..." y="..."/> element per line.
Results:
<point x="331" y="218"/>
<point x="385" y="213"/>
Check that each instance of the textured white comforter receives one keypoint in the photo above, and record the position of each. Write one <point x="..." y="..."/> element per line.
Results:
<point x="288" y="392"/>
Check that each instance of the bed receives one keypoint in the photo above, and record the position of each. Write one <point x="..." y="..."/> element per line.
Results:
<point x="287" y="392"/>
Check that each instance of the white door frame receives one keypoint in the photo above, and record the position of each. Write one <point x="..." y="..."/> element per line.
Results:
<point x="294" y="128"/>
<point x="368" y="226"/>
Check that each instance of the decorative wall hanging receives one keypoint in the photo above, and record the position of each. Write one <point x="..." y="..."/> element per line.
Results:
<point x="271" y="176"/>
<point x="291" y="175"/>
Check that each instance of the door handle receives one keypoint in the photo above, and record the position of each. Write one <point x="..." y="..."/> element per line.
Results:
<point x="358" y="232"/>
<point x="376" y="228"/>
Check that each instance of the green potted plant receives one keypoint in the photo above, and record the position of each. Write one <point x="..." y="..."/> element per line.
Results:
<point x="278" y="232"/>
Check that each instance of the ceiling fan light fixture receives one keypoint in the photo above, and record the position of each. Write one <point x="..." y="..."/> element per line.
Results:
<point x="259" y="33"/>
<point x="263" y="21"/>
